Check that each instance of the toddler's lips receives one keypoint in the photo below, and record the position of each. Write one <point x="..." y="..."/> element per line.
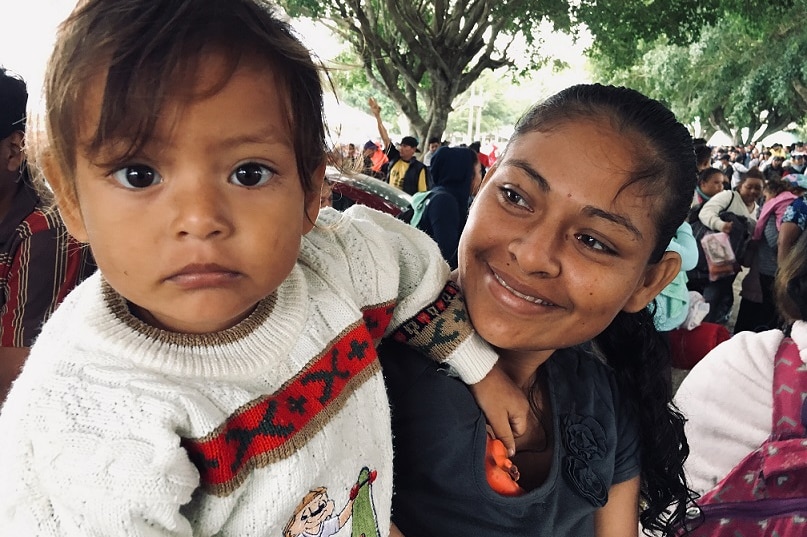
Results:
<point x="203" y="275"/>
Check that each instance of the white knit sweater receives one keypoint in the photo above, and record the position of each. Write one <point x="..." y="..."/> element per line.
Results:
<point x="727" y="399"/>
<point x="118" y="428"/>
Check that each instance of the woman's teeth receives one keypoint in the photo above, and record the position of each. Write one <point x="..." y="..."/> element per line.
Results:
<point x="521" y="295"/>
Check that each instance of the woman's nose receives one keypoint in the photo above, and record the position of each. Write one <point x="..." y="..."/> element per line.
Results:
<point x="536" y="253"/>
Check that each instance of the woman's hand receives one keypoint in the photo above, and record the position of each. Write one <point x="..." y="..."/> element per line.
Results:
<point x="505" y="406"/>
<point x="726" y="227"/>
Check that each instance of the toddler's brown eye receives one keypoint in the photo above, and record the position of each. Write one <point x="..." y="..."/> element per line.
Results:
<point x="251" y="174"/>
<point x="137" y="176"/>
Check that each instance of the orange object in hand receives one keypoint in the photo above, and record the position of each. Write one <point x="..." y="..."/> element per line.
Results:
<point x="500" y="471"/>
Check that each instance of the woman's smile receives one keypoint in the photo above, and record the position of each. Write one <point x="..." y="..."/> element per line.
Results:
<point x="524" y="296"/>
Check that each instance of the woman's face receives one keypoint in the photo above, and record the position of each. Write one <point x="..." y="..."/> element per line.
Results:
<point x="713" y="184"/>
<point x="555" y="246"/>
<point x="751" y="189"/>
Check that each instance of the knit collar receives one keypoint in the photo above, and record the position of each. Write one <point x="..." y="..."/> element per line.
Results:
<point x="254" y="345"/>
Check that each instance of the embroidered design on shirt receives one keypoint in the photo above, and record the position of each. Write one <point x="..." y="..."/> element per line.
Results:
<point x="272" y="427"/>
<point x="584" y="440"/>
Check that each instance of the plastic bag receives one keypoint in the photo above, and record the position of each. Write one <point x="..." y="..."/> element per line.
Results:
<point x="698" y="309"/>
<point x="719" y="255"/>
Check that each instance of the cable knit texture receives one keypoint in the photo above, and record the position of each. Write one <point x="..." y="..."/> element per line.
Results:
<point x="117" y="428"/>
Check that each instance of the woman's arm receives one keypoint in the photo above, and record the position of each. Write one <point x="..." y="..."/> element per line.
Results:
<point x="788" y="234"/>
<point x="710" y="212"/>
<point x="620" y="516"/>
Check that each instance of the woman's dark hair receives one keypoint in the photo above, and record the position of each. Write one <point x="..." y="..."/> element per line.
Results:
<point x="777" y="186"/>
<point x="790" y="286"/>
<point x="705" y="174"/>
<point x="703" y="154"/>
<point x="144" y="52"/>
<point x="639" y="355"/>
<point x="753" y="173"/>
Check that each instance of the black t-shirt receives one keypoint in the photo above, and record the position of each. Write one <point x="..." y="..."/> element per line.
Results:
<point x="439" y="445"/>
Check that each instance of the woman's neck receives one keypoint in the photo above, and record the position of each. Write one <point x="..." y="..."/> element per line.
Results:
<point x="522" y="366"/>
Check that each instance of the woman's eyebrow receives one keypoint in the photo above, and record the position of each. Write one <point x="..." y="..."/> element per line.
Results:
<point x="529" y="170"/>
<point x="618" y="219"/>
<point x="588" y="210"/>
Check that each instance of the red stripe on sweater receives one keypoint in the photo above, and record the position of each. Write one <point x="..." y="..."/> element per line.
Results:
<point x="272" y="427"/>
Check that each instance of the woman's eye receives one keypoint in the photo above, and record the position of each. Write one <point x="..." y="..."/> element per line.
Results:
<point x="251" y="175"/>
<point x="512" y="196"/>
<point x="591" y="242"/>
<point x="137" y="176"/>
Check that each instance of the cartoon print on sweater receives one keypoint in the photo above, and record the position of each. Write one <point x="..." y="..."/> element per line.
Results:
<point x="314" y="516"/>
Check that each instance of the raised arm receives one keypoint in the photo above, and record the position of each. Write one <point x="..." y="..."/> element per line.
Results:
<point x="382" y="130"/>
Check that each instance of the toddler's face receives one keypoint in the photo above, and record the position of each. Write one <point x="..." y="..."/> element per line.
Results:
<point x="207" y="219"/>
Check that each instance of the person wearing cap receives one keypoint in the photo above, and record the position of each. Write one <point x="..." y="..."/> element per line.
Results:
<point x="373" y="160"/>
<point x="39" y="262"/>
<point x="403" y="170"/>
<point x="795" y="164"/>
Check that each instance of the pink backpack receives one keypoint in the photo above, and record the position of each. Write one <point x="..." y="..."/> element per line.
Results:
<point x="765" y="495"/>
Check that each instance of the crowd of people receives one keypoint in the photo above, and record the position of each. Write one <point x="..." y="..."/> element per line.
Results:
<point x="222" y="353"/>
<point x="749" y="193"/>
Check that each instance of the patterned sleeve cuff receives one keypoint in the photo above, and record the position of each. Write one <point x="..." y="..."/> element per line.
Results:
<point x="443" y="331"/>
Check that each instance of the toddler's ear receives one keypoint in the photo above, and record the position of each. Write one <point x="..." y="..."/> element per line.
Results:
<point x="656" y="278"/>
<point x="64" y="191"/>
<point x="312" y="199"/>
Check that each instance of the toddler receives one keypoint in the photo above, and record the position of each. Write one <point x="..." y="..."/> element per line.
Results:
<point x="218" y="374"/>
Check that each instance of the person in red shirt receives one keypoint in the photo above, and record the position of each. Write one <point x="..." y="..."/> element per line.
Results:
<point x="39" y="263"/>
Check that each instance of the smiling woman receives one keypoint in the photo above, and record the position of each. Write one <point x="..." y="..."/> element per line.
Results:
<point x="558" y="262"/>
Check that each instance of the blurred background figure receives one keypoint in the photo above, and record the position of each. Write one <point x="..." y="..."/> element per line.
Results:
<point x="453" y="170"/>
<point x="757" y="308"/>
<point x="434" y="145"/>
<point x="372" y="160"/>
<point x="39" y="263"/>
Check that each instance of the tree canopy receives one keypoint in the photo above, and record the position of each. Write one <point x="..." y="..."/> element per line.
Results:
<point x="744" y="70"/>
<point x="422" y="54"/>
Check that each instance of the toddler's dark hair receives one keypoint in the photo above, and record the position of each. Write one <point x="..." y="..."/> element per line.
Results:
<point x="141" y="53"/>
